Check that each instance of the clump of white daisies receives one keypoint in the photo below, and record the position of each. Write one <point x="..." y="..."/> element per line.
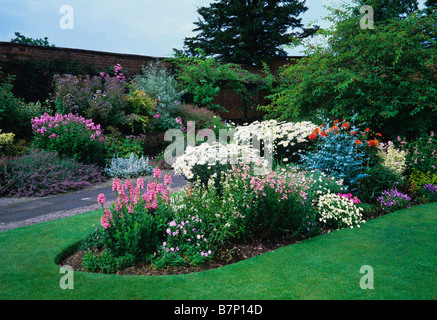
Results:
<point x="241" y="150"/>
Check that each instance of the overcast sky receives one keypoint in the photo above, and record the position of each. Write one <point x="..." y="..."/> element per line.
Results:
<point x="144" y="27"/>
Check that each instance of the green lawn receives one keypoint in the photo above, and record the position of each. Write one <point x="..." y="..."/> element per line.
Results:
<point x="400" y="247"/>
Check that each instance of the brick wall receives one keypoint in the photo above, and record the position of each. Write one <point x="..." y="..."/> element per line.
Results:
<point x="10" y="52"/>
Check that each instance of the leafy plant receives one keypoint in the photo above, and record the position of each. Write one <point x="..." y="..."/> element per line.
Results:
<point x="385" y="75"/>
<point x="157" y="82"/>
<point x="392" y="200"/>
<point x="42" y="173"/>
<point x="337" y="152"/>
<point x="70" y="135"/>
<point x="131" y="167"/>
<point x="203" y="79"/>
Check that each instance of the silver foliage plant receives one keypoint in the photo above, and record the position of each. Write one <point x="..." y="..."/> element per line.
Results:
<point x="131" y="167"/>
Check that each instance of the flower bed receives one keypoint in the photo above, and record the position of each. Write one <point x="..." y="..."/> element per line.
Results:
<point x="230" y="211"/>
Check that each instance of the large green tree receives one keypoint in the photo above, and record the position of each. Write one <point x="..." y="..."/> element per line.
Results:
<point x="385" y="76"/>
<point x="389" y="9"/>
<point x="247" y="31"/>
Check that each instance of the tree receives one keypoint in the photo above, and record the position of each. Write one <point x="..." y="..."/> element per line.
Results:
<point x="385" y="76"/>
<point x="19" y="38"/>
<point x="388" y="9"/>
<point x="247" y="31"/>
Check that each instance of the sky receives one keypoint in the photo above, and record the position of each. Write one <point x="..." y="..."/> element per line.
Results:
<point x="143" y="27"/>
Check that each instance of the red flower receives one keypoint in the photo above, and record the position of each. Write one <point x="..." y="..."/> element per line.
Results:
<point x="366" y="130"/>
<point x="354" y="133"/>
<point x="313" y="136"/>
<point x="323" y="134"/>
<point x="345" y="125"/>
<point x="379" y="135"/>
<point x="373" y="143"/>
<point x="358" y="142"/>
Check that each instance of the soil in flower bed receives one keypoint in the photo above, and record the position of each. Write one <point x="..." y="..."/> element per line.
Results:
<point x="225" y="257"/>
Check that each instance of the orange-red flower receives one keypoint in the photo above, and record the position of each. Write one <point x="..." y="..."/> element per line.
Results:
<point x="366" y="130"/>
<point x="358" y="142"/>
<point x="354" y="133"/>
<point x="373" y="143"/>
<point x="323" y="133"/>
<point x="313" y="136"/>
<point x="345" y="125"/>
<point x="379" y="135"/>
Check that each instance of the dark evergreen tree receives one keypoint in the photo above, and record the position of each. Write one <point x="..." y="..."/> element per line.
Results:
<point x="247" y="31"/>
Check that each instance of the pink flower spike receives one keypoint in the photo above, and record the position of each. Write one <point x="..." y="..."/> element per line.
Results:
<point x="157" y="172"/>
<point x="101" y="199"/>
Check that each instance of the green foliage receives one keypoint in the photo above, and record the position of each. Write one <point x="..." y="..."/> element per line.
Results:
<point x="416" y="179"/>
<point x="385" y="75"/>
<point x="246" y="32"/>
<point x="19" y="38"/>
<point x="34" y="78"/>
<point x="105" y="262"/>
<point x="141" y="107"/>
<point x="389" y="9"/>
<point x="8" y="102"/>
<point x="204" y="78"/>
<point x="6" y="140"/>
<point x="378" y="178"/>
<point x="138" y="233"/>
<point x="338" y="154"/>
<point x="157" y="82"/>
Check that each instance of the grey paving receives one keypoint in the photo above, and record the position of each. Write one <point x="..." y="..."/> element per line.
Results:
<point x="25" y="210"/>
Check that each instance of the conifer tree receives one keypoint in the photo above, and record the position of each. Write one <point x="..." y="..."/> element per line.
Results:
<point x="247" y="31"/>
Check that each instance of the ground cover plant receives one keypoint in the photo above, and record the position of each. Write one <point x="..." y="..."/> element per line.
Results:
<point x="41" y="173"/>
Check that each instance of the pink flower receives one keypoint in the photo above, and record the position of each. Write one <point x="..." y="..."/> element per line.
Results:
<point x="105" y="219"/>
<point x="157" y="172"/>
<point x="101" y="199"/>
<point x="167" y="179"/>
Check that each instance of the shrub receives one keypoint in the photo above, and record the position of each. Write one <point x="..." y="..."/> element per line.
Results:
<point x="136" y="223"/>
<point x="70" y="135"/>
<point x="378" y="178"/>
<point x="392" y="157"/>
<point x="185" y="244"/>
<point x="212" y="160"/>
<point x="338" y="212"/>
<point x="429" y="191"/>
<point x="6" y="140"/>
<point x="421" y="154"/>
<point x="417" y="179"/>
<point x="131" y="167"/>
<point x="161" y="86"/>
<point x="141" y="108"/>
<point x="392" y="200"/>
<point x="102" y="98"/>
<point x="338" y="152"/>
<point x="42" y="173"/>
<point x="386" y="75"/>
<point x="287" y="138"/>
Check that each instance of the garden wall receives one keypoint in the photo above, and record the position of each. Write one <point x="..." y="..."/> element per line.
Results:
<point x="12" y="54"/>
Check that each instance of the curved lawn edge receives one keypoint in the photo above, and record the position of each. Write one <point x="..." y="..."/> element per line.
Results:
<point x="399" y="247"/>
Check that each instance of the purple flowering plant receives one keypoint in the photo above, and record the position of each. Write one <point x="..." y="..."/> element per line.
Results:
<point x="392" y="200"/>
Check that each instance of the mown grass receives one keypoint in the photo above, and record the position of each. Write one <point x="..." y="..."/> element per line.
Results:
<point x="400" y="247"/>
